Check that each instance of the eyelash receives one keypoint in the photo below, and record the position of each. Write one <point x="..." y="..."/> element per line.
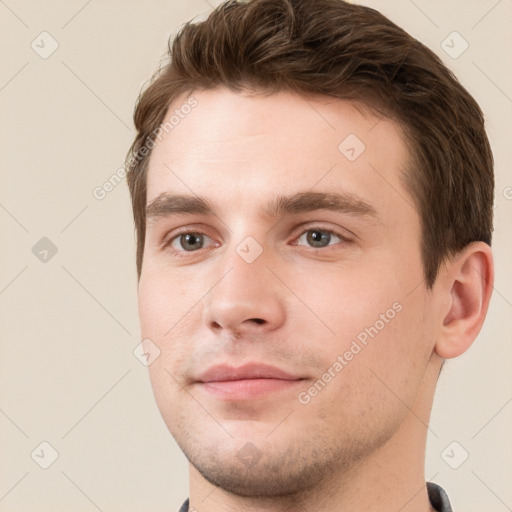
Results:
<point x="185" y="254"/>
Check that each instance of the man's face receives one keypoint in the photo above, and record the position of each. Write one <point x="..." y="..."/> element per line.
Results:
<point x="334" y="297"/>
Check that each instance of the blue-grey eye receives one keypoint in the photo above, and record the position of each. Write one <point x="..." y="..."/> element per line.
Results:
<point x="191" y="241"/>
<point x="319" y="238"/>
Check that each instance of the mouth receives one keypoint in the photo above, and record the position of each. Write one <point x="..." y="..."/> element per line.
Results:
<point x="250" y="381"/>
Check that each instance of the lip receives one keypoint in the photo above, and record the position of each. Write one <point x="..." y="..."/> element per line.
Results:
<point x="223" y="372"/>
<point x="250" y="381"/>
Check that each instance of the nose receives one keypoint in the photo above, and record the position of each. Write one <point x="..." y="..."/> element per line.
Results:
<point x="247" y="300"/>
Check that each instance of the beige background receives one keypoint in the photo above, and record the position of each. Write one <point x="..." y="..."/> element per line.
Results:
<point x="69" y="324"/>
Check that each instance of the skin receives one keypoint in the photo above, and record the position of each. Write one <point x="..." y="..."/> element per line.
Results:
<point x="359" y="443"/>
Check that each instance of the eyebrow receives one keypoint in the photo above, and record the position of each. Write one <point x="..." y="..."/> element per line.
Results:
<point x="166" y="204"/>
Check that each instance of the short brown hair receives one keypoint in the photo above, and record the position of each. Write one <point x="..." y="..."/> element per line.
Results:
<point x="347" y="51"/>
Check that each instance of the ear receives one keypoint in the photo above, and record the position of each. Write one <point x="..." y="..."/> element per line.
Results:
<point x="468" y="284"/>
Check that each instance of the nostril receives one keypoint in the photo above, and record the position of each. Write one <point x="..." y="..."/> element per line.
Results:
<point x="258" y="320"/>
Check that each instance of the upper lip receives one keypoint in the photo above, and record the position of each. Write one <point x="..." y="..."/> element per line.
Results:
<point x="225" y="372"/>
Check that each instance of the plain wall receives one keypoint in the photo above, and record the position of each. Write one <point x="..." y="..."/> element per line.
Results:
<point x="69" y="323"/>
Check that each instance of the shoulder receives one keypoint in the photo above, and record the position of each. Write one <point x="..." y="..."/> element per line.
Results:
<point x="438" y="497"/>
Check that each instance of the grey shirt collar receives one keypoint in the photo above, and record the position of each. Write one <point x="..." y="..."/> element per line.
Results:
<point x="437" y="495"/>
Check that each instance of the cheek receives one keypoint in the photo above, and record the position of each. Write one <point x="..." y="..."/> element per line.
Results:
<point x="165" y="313"/>
<point x="375" y="324"/>
<point x="154" y="310"/>
<point x="161" y="321"/>
<point x="376" y="371"/>
<point x="163" y="301"/>
<point x="351" y="302"/>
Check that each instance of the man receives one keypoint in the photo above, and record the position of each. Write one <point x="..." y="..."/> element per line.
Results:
<point x="312" y="192"/>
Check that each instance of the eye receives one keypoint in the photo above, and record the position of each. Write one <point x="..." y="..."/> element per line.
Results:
<point x="188" y="242"/>
<point x="193" y="241"/>
<point x="319" y="238"/>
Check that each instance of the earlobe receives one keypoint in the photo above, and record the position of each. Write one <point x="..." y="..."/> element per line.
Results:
<point x="469" y="281"/>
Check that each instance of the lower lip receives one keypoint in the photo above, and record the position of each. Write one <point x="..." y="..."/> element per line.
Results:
<point x="248" y="388"/>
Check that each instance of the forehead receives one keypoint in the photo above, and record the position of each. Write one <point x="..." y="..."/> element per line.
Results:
<point x="244" y="145"/>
